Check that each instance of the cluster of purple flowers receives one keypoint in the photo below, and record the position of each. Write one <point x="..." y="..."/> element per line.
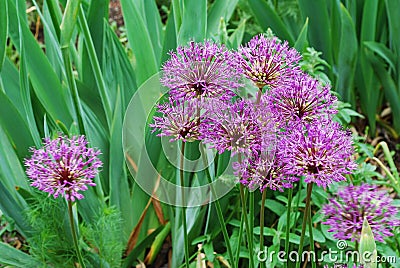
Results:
<point x="286" y="132"/>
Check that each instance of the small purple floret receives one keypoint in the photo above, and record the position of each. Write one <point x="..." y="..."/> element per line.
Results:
<point x="63" y="166"/>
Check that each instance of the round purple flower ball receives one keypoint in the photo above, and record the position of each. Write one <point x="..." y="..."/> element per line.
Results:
<point x="269" y="62"/>
<point x="346" y="212"/>
<point x="320" y="151"/>
<point x="201" y="70"/>
<point x="63" y="166"/>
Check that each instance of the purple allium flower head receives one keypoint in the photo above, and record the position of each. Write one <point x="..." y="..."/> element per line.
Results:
<point x="302" y="99"/>
<point x="268" y="61"/>
<point x="63" y="166"/>
<point x="234" y="127"/>
<point x="202" y="70"/>
<point x="180" y="119"/>
<point x="345" y="213"/>
<point x="320" y="151"/>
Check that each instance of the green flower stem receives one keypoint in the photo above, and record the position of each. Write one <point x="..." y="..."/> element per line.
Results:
<point x="249" y="232"/>
<point x="219" y="210"/>
<point x="311" y="236"/>
<point x="303" y="228"/>
<point x="74" y="234"/>
<point x="262" y="211"/>
<point x="251" y="218"/>
<point x="288" y="213"/>
<point x="239" y="239"/>
<point x="185" y="234"/>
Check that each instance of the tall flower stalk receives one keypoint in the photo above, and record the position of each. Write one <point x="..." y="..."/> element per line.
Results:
<point x="64" y="167"/>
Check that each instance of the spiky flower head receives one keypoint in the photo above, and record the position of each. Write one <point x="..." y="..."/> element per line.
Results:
<point x="269" y="62"/>
<point x="320" y="151"/>
<point x="303" y="98"/>
<point x="233" y="126"/>
<point x="202" y="70"/>
<point x="179" y="120"/>
<point x="346" y="212"/>
<point x="63" y="166"/>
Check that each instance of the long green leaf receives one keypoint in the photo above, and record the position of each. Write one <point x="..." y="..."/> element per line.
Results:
<point x="140" y="41"/>
<point x="348" y="50"/>
<point x="15" y="126"/>
<point x="383" y="52"/>
<point x="393" y="9"/>
<point x="390" y="89"/>
<point x="119" y="188"/>
<point x="154" y="26"/>
<point x="95" y="67"/>
<point x="117" y="69"/>
<point x="319" y="26"/>
<point x="69" y="21"/>
<point x="3" y="31"/>
<point x="194" y="21"/>
<point x="236" y="38"/>
<point x="10" y="166"/>
<point x="170" y="38"/>
<point x="219" y="9"/>
<point x="45" y="82"/>
<point x="97" y="14"/>
<point x="17" y="258"/>
<point x="365" y="78"/>
<point x="301" y="42"/>
<point x="267" y="17"/>
<point x="26" y="99"/>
